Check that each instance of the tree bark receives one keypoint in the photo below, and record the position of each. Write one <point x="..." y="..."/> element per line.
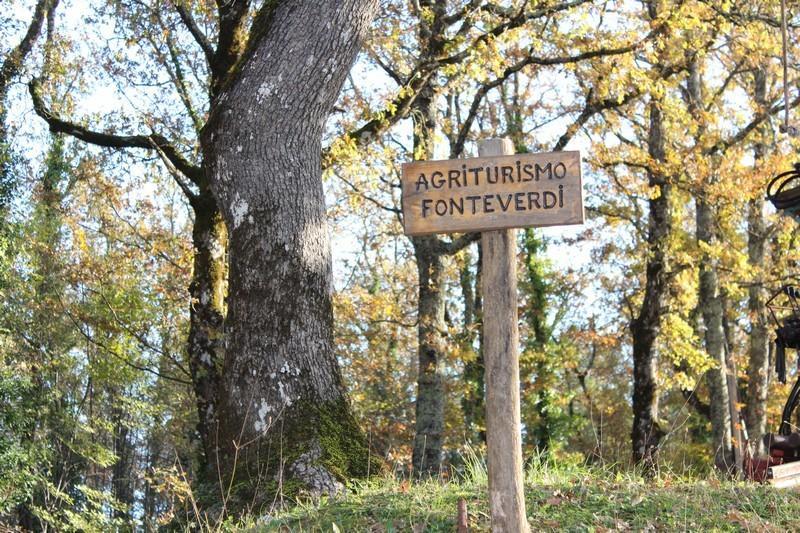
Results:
<point x="709" y="298"/>
<point x="122" y="475"/>
<point x="429" y="425"/>
<point x="285" y="423"/>
<point x="646" y="433"/>
<point x="541" y="427"/>
<point x="758" y="368"/>
<point x="206" y="316"/>
<point x="429" y="422"/>
<point x="710" y="303"/>
<point x="473" y="405"/>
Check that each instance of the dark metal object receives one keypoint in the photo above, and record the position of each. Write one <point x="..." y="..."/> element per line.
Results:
<point x="783" y="446"/>
<point x="787" y="335"/>
<point x="782" y="195"/>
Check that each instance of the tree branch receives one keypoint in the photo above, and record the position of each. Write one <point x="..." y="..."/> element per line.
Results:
<point x="147" y="142"/>
<point x="124" y="360"/>
<point x="585" y="115"/>
<point x="514" y="22"/>
<point x="231" y="14"/>
<point x="386" y="68"/>
<point x="13" y="61"/>
<point x="721" y="146"/>
<point x="367" y="197"/>
<point x="589" y="110"/>
<point x="456" y="245"/>
<point x="458" y="146"/>
<point x="394" y="112"/>
<point x="691" y="398"/>
<point x="472" y="5"/>
<point x="399" y="108"/>
<point x="179" y="80"/>
<point x="198" y="35"/>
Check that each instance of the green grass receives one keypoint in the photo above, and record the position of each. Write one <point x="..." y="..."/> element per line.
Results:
<point x="571" y="498"/>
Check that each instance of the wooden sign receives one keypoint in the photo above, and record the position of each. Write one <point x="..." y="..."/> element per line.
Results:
<point x="490" y="193"/>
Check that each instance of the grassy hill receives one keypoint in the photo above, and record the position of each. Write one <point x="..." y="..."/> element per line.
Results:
<point x="558" y="498"/>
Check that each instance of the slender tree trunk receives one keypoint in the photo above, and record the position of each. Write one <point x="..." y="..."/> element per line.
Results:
<point x="758" y="368"/>
<point x="50" y="401"/>
<point x="430" y="252"/>
<point x="710" y="302"/>
<point x="540" y="428"/>
<point x="284" y="419"/>
<point x="149" y="501"/>
<point x="646" y="433"/>
<point x="430" y="382"/>
<point x="429" y="422"/>
<point x="426" y="456"/>
<point x="536" y="366"/>
<point x="122" y="473"/>
<point x="473" y="403"/>
<point x="206" y="315"/>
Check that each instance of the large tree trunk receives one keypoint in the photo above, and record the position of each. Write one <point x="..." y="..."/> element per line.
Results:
<point x="646" y="433"/>
<point x="758" y="368"/>
<point x="284" y="420"/>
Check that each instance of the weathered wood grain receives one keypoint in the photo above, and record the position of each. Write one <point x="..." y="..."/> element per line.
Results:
<point x="501" y="340"/>
<point x="492" y="192"/>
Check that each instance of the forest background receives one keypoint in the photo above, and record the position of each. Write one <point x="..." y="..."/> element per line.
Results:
<point x="114" y="268"/>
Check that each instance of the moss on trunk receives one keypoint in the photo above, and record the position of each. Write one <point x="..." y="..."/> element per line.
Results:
<point x="313" y="450"/>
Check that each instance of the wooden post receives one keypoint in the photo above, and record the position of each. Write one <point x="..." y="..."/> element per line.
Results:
<point x="462" y="519"/>
<point x="501" y="340"/>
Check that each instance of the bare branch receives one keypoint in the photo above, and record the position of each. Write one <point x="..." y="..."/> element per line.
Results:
<point x="590" y="109"/>
<point x="367" y="197"/>
<point x="458" y="244"/>
<point x="179" y="80"/>
<point x="724" y="144"/>
<point x="466" y="126"/>
<point x="198" y="35"/>
<point x="147" y="142"/>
